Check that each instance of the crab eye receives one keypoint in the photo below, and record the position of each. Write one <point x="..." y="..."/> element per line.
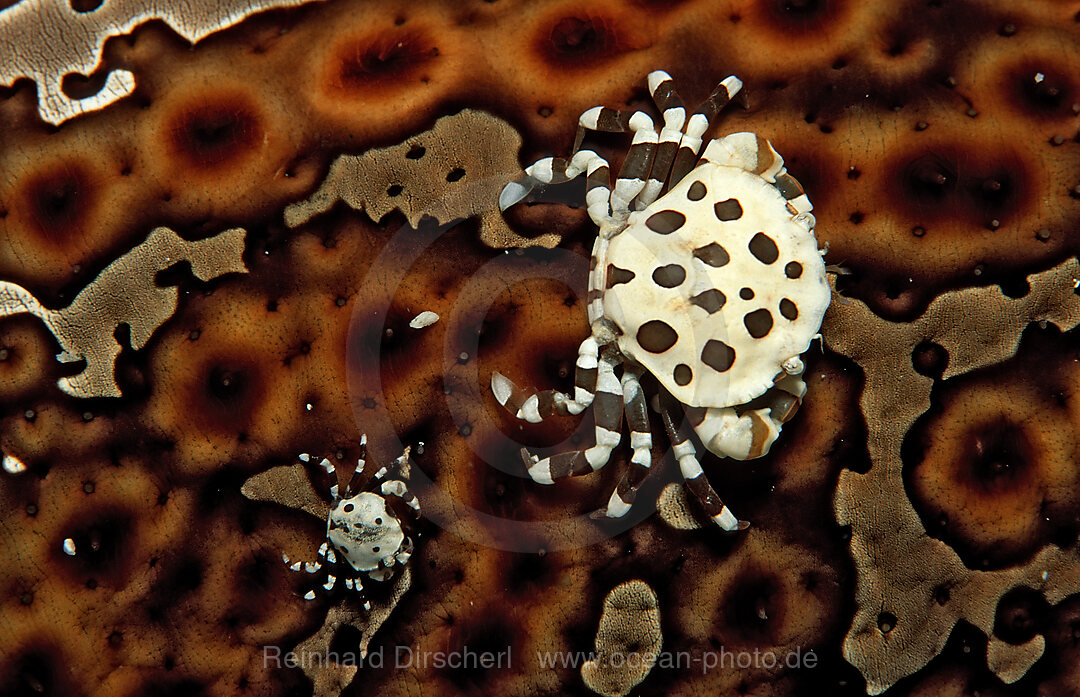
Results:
<point x="349" y="508"/>
<point x="378" y="521"/>
<point x="375" y="550"/>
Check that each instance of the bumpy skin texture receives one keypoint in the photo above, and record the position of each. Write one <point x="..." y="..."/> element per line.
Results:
<point x="913" y="127"/>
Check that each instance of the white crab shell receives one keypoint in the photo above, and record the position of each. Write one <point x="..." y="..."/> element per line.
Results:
<point x="365" y="531"/>
<point x="727" y="290"/>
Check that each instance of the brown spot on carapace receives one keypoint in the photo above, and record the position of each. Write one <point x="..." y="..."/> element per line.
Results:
<point x="215" y="131"/>
<point x="793" y="269"/>
<point x="577" y="41"/>
<point x="763" y="248"/>
<point x="656" y="336"/>
<point x="788" y="309"/>
<point x="58" y="199"/>
<point x="665" y="222"/>
<point x="710" y="300"/>
<point x="380" y="61"/>
<point x="697" y="191"/>
<point x="758" y="323"/>
<point x="728" y="210"/>
<point x="712" y="254"/>
<point x="615" y="275"/>
<point x="683" y="374"/>
<point x="718" y="355"/>
<point x="669" y="276"/>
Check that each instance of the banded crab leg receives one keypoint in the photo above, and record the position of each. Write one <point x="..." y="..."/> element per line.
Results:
<point x="673" y="110"/>
<point x="696" y="482"/>
<point x="639" y="158"/>
<point x="690" y="144"/>
<point x="325" y="556"/>
<point x="641" y="445"/>
<point x="536" y="406"/>
<point x="326" y="553"/>
<point x="608" y="411"/>
<point x="361" y="463"/>
<point x="556" y="170"/>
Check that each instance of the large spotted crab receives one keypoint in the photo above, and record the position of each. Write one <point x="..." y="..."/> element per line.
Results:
<point x="705" y="274"/>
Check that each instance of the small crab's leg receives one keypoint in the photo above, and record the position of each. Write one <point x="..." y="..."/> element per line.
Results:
<point x="662" y="89"/>
<point x="695" y="478"/>
<point x="697" y="124"/>
<point x="354" y="584"/>
<point x="396" y="487"/>
<point x="536" y="406"/>
<point x="329" y="467"/>
<point x="608" y="411"/>
<point x="354" y="480"/>
<point x="641" y="443"/>
<point x="549" y="170"/>
<point x="326" y="554"/>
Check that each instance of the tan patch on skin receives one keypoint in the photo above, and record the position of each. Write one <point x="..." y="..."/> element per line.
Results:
<point x="124" y="293"/>
<point x="55" y="39"/>
<point x="451" y="172"/>
<point x="627" y="640"/>
<point x="875" y="502"/>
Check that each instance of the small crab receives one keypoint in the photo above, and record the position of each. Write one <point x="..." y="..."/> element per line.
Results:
<point x="364" y="535"/>
<point x="705" y="274"/>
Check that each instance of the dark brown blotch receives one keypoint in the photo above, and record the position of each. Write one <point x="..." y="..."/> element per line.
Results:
<point x="802" y="17"/>
<point x="214" y="132"/>
<point x="683" y="375"/>
<point x="718" y="355"/>
<point x="728" y="210"/>
<point x="758" y="323"/>
<point x="1040" y="90"/>
<point x="576" y="42"/>
<point x="712" y="254"/>
<point x="763" y="248"/>
<point x="669" y="276"/>
<point x="789" y="310"/>
<point x="711" y="300"/>
<point x="793" y="269"/>
<point x="665" y="222"/>
<point x="382" y="60"/>
<point x="227" y="393"/>
<point x="656" y="336"/>
<point x="930" y="359"/>
<point x="58" y="200"/>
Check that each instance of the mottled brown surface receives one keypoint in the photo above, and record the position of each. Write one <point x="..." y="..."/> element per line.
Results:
<point x="913" y="128"/>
